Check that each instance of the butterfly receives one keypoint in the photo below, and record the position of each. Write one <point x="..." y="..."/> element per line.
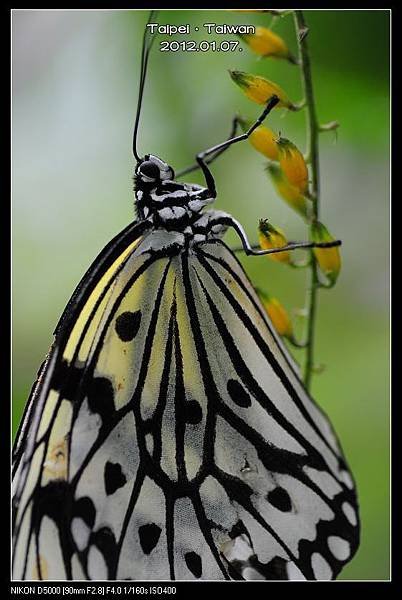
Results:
<point x="169" y="435"/>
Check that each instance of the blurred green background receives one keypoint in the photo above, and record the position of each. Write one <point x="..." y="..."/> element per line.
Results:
<point x="74" y="95"/>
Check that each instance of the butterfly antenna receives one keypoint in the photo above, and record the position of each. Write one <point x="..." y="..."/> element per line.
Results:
<point x="147" y="42"/>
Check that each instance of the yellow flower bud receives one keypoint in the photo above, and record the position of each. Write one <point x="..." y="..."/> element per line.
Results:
<point x="293" y="165"/>
<point x="266" y="43"/>
<point x="271" y="237"/>
<point x="278" y="315"/>
<point x="259" y="89"/>
<point x="287" y="191"/>
<point x="328" y="259"/>
<point x="262" y="138"/>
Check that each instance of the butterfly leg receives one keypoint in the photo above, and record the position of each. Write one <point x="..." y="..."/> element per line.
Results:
<point x="201" y="158"/>
<point x="215" y="223"/>
<point x="250" y="250"/>
<point x="215" y="151"/>
<point x="196" y="166"/>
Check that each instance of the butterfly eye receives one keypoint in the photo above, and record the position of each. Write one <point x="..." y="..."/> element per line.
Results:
<point x="149" y="170"/>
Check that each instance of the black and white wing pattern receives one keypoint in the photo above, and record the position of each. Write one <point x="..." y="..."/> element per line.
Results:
<point x="170" y="437"/>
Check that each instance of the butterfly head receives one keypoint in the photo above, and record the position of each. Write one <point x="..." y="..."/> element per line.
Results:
<point x="151" y="171"/>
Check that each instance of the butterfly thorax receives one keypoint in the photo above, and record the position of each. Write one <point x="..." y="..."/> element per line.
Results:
<point x="172" y="205"/>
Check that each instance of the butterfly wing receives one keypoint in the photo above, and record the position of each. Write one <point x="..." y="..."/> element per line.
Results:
<point x="276" y="460"/>
<point x="171" y="437"/>
<point x="42" y="446"/>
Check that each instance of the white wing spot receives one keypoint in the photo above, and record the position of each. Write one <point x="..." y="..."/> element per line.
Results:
<point x="321" y="569"/>
<point x="76" y="568"/>
<point x="349" y="513"/>
<point x="80" y="532"/>
<point x="249" y="574"/>
<point x="347" y="480"/>
<point x="237" y="549"/>
<point x="339" y="547"/>
<point x="96" y="564"/>
<point x="325" y="481"/>
<point x="294" y="572"/>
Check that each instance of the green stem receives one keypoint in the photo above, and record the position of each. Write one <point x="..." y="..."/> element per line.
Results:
<point x="313" y="130"/>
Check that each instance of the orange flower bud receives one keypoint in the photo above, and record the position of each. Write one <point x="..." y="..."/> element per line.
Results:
<point x="293" y="165"/>
<point x="270" y="237"/>
<point x="328" y="259"/>
<point x="288" y="192"/>
<point x="259" y="89"/>
<point x="266" y="43"/>
<point x="263" y="139"/>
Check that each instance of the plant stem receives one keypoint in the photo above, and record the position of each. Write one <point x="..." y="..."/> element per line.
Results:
<point x="312" y="151"/>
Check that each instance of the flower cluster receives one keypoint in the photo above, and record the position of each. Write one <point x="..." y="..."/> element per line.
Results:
<point x="288" y="170"/>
